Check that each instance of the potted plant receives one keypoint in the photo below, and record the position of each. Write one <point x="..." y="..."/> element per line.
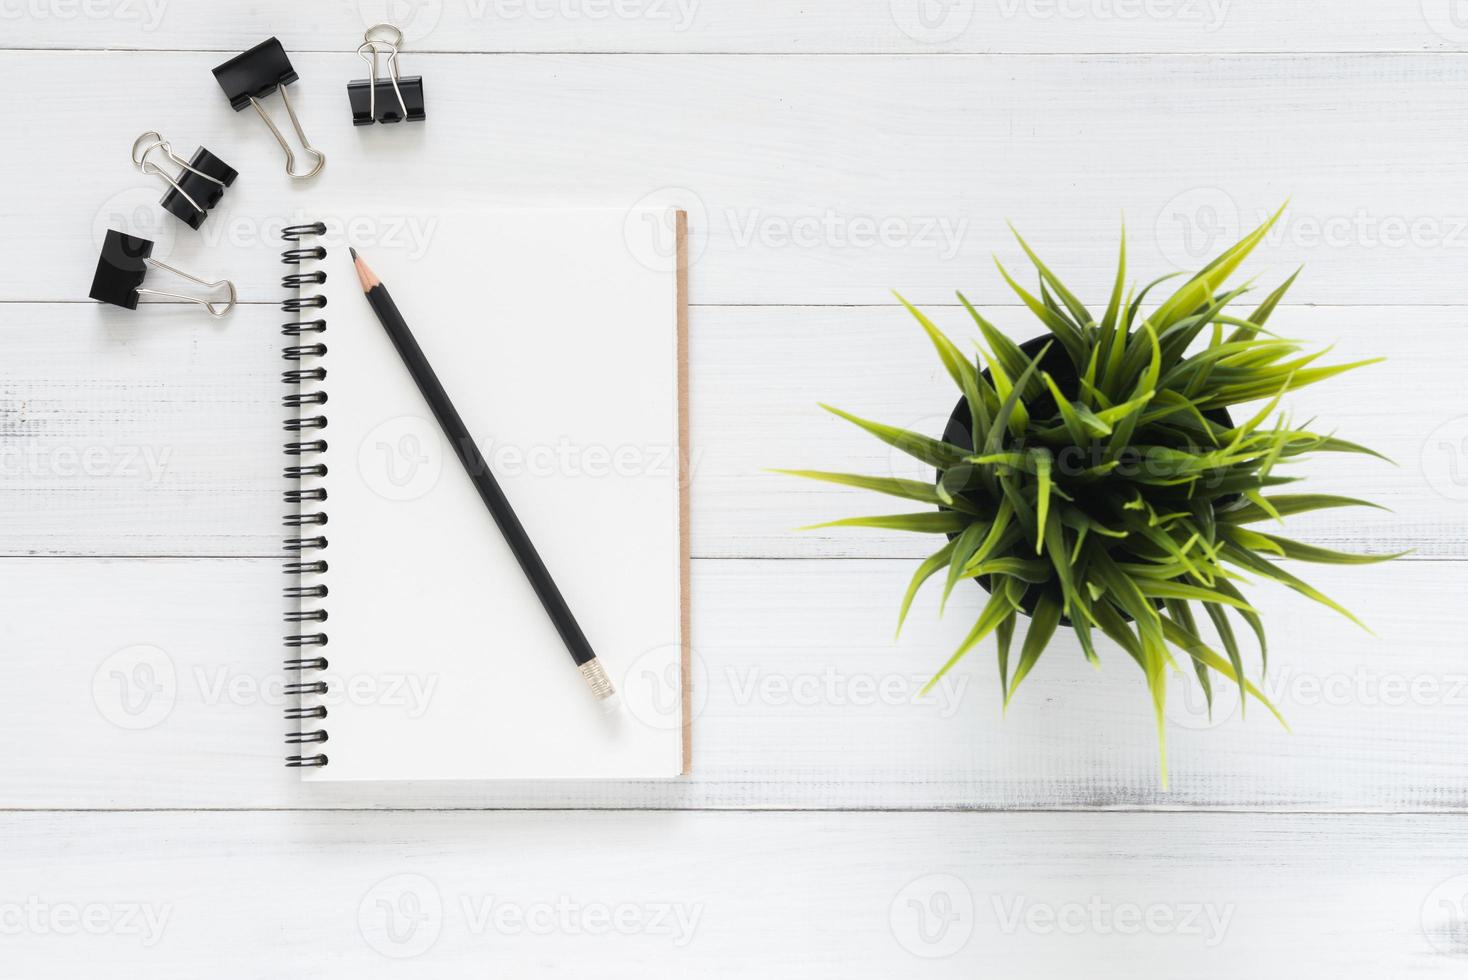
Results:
<point x="1094" y="479"/>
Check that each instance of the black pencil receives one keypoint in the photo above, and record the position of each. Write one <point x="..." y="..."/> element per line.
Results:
<point x="489" y="490"/>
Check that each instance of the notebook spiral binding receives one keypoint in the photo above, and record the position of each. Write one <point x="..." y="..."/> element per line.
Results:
<point x="303" y="351"/>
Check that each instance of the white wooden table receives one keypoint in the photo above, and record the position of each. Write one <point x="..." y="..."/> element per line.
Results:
<point x="835" y="825"/>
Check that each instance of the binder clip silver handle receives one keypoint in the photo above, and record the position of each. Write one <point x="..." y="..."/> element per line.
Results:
<point x="369" y="50"/>
<point x="151" y="141"/>
<point x="259" y="73"/>
<point x="290" y="157"/>
<point x="124" y="263"/>
<point x="208" y="304"/>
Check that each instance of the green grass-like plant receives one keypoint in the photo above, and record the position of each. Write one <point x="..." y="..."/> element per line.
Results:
<point x="1102" y="483"/>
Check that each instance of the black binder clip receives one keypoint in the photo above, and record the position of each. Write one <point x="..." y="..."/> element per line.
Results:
<point x="123" y="264"/>
<point x="199" y="184"/>
<point x="260" y="72"/>
<point x="385" y="100"/>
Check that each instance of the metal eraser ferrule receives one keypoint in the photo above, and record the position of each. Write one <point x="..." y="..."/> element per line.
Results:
<point x="597" y="679"/>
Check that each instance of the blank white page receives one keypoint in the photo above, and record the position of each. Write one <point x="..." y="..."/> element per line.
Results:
<point x="555" y="335"/>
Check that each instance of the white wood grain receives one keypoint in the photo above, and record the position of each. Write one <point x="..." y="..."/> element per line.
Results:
<point x="126" y="438"/>
<point x="154" y="432"/>
<point x="155" y="683"/>
<point x="913" y="26"/>
<point x="453" y="895"/>
<point x="809" y="179"/>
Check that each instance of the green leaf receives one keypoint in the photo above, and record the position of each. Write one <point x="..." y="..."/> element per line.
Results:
<point x="1169" y="403"/>
<point x="1010" y="460"/>
<point x="1042" y="492"/>
<point x="1252" y="618"/>
<point x="1013" y="587"/>
<point x="1113" y="306"/>
<point x="1002" y="533"/>
<point x="1019" y="418"/>
<point x="957" y="365"/>
<point x="1182" y="614"/>
<point x="1054" y="307"/>
<point x="1125" y="411"/>
<point x="1332" y="445"/>
<point x="1093" y="424"/>
<point x="1199" y="290"/>
<point x="928" y="522"/>
<point x="934" y="452"/>
<point x="1252" y="540"/>
<point x="1005" y="351"/>
<point x="1112" y="624"/>
<point x="925" y="571"/>
<point x="1055" y="550"/>
<point x="1266" y="386"/>
<point x="964" y="547"/>
<point x="1068" y="414"/>
<point x="1070" y="338"/>
<point x="1260" y="566"/>
<point x="1195" y="647"/>
<point x="1259" y="316"/>
<point x="1135" y="306"/>
<point x="1309" y="552"/>
<point x="1075" y="306"/>
<point x="910" y="489"/>
<point x="1006" y="408"/>
<point x="1042" y="627"/>
<point x="1032" y="570"/>
<point x="959" y="368"/>
<point x="1125" y="591"/>
<point x="1121" y="435"/>
<point x="1285" y="504"/>
<point x="1219" y="615"/>
<point x="1004" y="637"/>
<point x="993" y="614"/>
<point x="1163" y="589"/>
<point x="1082" y="630"/>
<point x="957" y="481"/>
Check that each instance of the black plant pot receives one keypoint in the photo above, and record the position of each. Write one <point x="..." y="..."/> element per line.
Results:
<point x="1057" y="363"/>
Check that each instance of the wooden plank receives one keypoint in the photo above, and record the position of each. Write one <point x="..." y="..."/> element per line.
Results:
<point x="885" y="26"/>
<point x="623" y="895"/>
<point x="162" y="438"/>
<point x="138" y="433"/>
<point x="157" y="684"/>
<point x="809" y="180"/>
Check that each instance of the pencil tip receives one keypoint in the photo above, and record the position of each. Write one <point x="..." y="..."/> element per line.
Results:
<point x="367" y="277"/>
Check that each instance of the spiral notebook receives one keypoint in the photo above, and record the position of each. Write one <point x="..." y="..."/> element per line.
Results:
<point x="416" y="648"/>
